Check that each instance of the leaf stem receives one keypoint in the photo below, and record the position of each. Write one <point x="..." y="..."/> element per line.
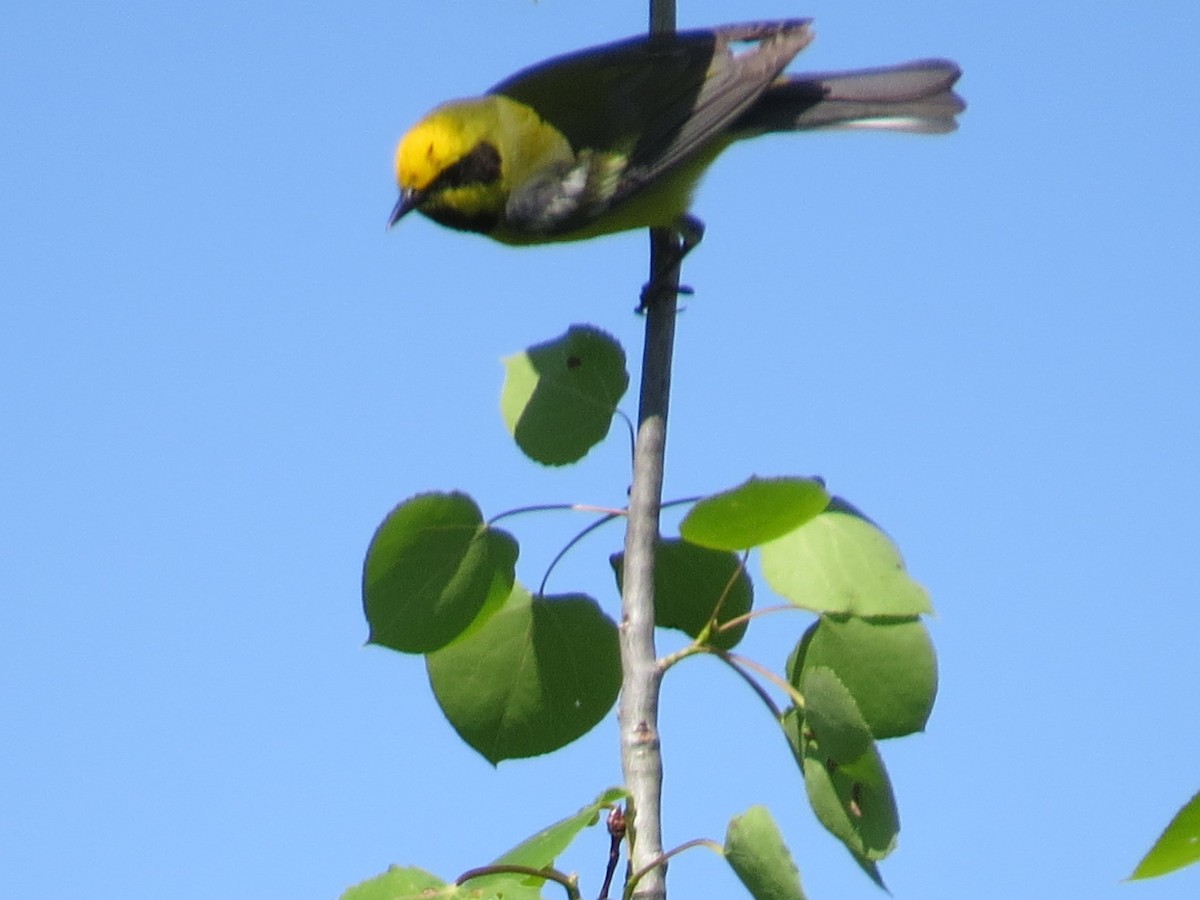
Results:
<point x="663" y="857"/>
<point x="782" y="683"/>
<point x="554" y="507"/>
<point x="569" y="882"/>
<point x="572" y="542"/>
<point x="755" y="613"/>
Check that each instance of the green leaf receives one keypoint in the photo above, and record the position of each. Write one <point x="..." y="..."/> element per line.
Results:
<point x="541" y="849"/>
<point x="755" y="850"/>
<point x="429" y="570"/>
<point x="793" y="727"/>
<point x="753" y="513"/>
<point x="692" y="582"/>
<point x="848" y="787"/>
<point x="857" y="807"/>
<point x="533" y="677"/>
<point x="833" y="717"/>
<point x="559" y="397"/>
<point x="1176" y="847"/>
<point x="888" y="666"/>
<point x="840" y="562"/>
<point x="402" y="884"/>
<point x="536" y="852"/>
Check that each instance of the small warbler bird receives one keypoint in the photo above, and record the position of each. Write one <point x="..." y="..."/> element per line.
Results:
<point x="617" y="137"/>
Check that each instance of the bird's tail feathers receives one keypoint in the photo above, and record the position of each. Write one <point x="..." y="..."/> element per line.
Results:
<point x="914" y="97"/>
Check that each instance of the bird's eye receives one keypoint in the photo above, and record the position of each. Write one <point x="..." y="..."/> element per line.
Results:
<point x="480" y="166"/>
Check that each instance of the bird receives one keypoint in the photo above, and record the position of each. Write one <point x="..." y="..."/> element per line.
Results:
<point x="618" y="136"/>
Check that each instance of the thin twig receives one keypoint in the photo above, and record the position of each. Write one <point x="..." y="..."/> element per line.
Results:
<point x="616" y="832"/>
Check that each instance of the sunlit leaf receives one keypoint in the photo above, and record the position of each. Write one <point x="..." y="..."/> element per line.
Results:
<point x="1177" y="846"/>
<point x="841" y="563"/>
<point x="559" y="397"/>
<point x="757" y="511"/>
<point x="403" y="884"/>
<point x="543" y="848"/>
<point x="533" y="677"/>
<point x="755" y="850"/>
<point x="536" y="852"/>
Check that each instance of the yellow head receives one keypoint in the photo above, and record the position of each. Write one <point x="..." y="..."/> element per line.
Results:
<point x="449" y="167"/>
<point x="459" y="163"/>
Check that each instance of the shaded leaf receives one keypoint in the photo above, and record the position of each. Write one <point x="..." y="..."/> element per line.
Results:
<point x="690" y="582"/>
<point x="533" y="677"/>
<point x="429" y="570"/>
<point x="757" y="511"/>
<point x="755" y="851"/>
<point x="1176" y="847"/>
<point x="841" y="563"/>
<point x="832" y="716"/>
<point x="847" y="784"/>
<point x="559" y="397"/>
<point x="857" y="807"/>
<point x="888" y="665"/>
<point x="792" y="723"/>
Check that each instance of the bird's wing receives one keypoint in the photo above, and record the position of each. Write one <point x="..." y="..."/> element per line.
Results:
<point x="657" y="100"/>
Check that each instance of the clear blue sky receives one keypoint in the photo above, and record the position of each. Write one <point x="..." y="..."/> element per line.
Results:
<point x="218" y="372"/>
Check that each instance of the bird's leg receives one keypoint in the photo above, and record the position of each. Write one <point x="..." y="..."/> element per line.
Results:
<point x="665" y="275"/>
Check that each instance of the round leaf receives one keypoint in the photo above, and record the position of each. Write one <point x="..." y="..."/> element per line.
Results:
<point x="559" y="397"/>
<point x="753" y="513"/>
<point x="429" y="569"/>
<point x="841" y="563"/>
<point x="531" y="678"/>
<point x="887" y="665"/>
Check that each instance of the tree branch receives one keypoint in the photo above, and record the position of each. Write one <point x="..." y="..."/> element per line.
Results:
<point x="641" y="759"/>
<point x="641" y="756"/>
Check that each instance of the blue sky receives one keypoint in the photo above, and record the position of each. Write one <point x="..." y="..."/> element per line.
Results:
<point x="218" y="372"/>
